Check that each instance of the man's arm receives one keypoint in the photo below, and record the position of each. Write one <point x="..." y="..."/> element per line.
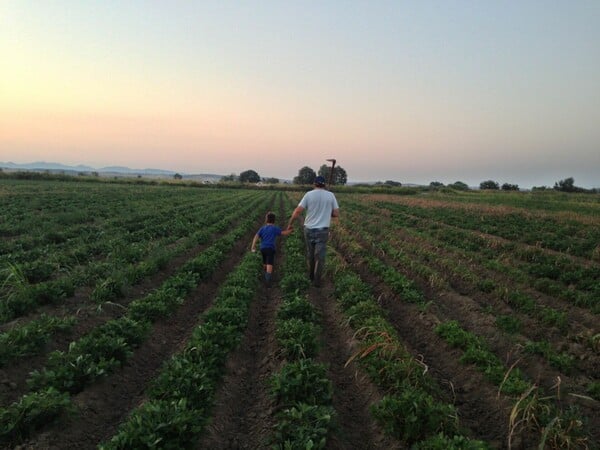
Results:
<point x="335" y="215"/>
<point x="295" y="215"/>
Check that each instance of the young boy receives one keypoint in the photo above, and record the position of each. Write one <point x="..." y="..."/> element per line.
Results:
<point x="268" y="236"/>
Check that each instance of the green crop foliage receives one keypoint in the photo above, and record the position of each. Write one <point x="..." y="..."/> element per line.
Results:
<point x="552" y="317"/>
<point x="476" y="352"/>
<point x="30" y="338"/>
<point x="486" y="286"/>
<point x="184" y="377"/>
<point x="294" y="283"/>
<point x="521" y="301"/>
<point x="360" y="313"/>
<point x="297" y="338"/>
<point x="302" y="381"/>
<point x="562" y="361"/>
<point x="297" y="307"/>
<point x="593" y="390"/>
<point x="452" y="333"/>
<point x="509" y="324"/>
<point x="442" y="442"/>
<point x="32" y="411"/>
<point x="108" y="289"/>
<point x="303" y="427"/>
<point x="158" y="424"/>
<point x="413" y="415"/>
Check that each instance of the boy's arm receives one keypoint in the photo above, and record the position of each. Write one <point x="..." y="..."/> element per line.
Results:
<point x="288" y="231"/>
<point x="253" y="247"/>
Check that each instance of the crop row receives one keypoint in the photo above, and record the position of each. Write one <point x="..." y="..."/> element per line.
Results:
<point x="547" y="417"/>
<point x="179" y="401"/>
<point x="411" y="410"/>
<point x="422" y="256"/>
<point x="301" y="388"/>
<point x="107" y="347"/>
<point x="130" y="213"/>
<point x="28" y="339"/>
<point x="568" y="236"/>
<point x="553" y="274"/>
<point x="20" y="295"/>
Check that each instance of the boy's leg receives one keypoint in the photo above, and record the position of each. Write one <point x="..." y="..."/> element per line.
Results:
<point x="270" y="259"/>
<point x="265" y="259"/>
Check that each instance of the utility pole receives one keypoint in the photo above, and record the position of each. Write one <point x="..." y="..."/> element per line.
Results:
<point x="332" y="167"/>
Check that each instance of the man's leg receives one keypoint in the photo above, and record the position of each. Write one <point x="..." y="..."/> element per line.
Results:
<point x="320" y="249"/>
<point x="310" y="253"/>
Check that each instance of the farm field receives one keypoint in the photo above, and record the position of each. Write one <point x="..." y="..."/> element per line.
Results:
<point x="134" y="316"/>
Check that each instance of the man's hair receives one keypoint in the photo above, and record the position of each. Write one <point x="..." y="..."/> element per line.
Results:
<point x="270" y="217"/>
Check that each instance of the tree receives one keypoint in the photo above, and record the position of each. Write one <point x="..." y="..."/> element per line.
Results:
<point x="177" y="176"/>
<point x="489" y="184"/>
<point x="271" y="180"/>
<point x="249" y="176"/>
<point x="566" y="185"/>
<point x="305" y="176"/>
<point x="459" y="185"/>
<point x="510" y="187"/>
<point x="392" y="183"/>
<point x="436" y="184"/>
<point x="339" y="174"/>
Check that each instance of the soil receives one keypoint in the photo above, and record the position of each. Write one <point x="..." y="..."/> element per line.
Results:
<point x="243" y="413"/>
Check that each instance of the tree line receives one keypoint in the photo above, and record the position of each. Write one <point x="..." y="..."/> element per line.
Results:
<point x="306" y="175"/>
<point x="566" y="185"/>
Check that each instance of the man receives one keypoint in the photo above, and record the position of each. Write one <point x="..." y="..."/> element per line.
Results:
<point x="320" y="205"/>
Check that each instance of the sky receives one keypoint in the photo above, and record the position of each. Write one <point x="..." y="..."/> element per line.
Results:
<point x="410" y="91"/>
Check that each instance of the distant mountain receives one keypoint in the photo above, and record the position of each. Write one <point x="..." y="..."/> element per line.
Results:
<point x="121" y="169"/>
<point x="42" y="165"/>
<point x="108" y="171"/>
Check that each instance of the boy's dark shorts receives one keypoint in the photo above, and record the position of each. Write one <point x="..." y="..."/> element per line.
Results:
<point x="268" y="255"/>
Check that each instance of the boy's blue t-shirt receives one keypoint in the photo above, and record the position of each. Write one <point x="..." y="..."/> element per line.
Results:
<point x="268" y="234"/>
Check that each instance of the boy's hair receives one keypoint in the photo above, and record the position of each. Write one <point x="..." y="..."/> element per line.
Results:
<point x="270" y="217"/>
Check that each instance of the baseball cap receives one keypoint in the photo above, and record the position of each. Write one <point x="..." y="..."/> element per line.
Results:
<point x="320" y="180"/>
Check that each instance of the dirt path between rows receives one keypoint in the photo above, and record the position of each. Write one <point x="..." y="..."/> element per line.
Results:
<point x="353" y="393"/>
<point x="243" y="413"/>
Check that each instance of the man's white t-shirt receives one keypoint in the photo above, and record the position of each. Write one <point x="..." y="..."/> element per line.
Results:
<point x="319" y="204"/>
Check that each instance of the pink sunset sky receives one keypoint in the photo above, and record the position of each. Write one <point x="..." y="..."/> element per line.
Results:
<point x="407" y="91"/>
